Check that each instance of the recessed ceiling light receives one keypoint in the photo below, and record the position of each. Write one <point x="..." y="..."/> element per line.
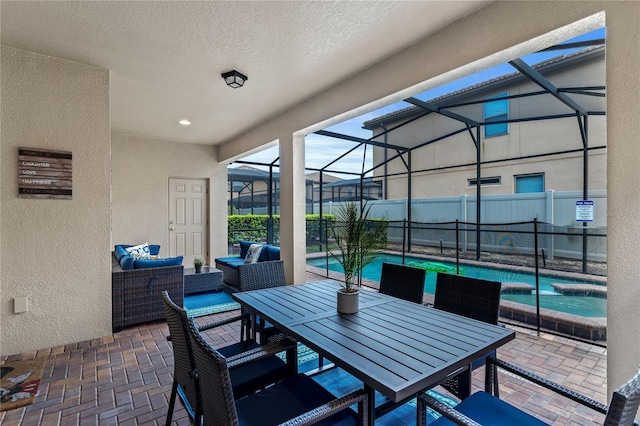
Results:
<point x="184" y="122"/>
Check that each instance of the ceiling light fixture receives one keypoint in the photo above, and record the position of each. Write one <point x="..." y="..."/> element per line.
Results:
<point x="184" y="122"/>
<point x="234" y="78"/>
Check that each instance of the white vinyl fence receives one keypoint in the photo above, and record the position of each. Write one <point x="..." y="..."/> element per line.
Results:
<point x="559" y="232"/>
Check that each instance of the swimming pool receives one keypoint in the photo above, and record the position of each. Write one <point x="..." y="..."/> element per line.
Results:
<point x="585" y="306"/>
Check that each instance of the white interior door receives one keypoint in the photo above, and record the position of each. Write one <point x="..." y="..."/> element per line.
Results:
<point x="188" y="227"/>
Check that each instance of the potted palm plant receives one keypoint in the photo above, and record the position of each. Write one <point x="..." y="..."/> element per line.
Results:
<point x="359" y="241"/>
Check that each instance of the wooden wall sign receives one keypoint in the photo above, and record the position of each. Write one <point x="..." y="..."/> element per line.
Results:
<point x="44" y="174"/>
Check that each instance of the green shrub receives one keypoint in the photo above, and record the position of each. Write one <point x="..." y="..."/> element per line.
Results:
<point x="254" y="227"/>
<point x="313" y="226"/>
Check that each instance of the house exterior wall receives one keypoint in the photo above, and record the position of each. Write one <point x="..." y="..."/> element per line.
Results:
<point x="55" y="252"/>
<point x="434" y="172"/>
<point x="141" y="169"/>
<point x="562" y="173"/>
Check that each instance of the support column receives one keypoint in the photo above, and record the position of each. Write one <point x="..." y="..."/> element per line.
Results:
<point x="623" y="204"/>
<point x="292" y="208"/>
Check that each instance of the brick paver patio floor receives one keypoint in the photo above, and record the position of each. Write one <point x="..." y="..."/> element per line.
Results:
<point x="125" y="378"/>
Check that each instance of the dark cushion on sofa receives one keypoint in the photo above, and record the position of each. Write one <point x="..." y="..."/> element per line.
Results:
<point x="244" y="246"/>
<point x="156" y="263"/>
<point x="127" y="262"/>
<point x="119" y="252"/>
<point x="264" y="255"/>
<point x="272" y="252"/>
<point x="123" y="257"/>
<point x="154" y="249"/>
<point x="231" y="262"/>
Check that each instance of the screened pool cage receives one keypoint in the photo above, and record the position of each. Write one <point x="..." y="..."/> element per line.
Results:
<point x="467" y="230"/>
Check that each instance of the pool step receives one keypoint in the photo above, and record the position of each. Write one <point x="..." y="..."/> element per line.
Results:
<point x="516" y="288"/>
<point x="581" y="289"/>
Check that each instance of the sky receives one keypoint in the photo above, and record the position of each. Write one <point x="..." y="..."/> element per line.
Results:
<point x="322" y="150"/>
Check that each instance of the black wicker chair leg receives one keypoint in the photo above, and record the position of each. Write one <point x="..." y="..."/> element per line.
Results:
<point x="172" y="403"/>
<point x="197" y="419"/>
<point x="421" y="411"/>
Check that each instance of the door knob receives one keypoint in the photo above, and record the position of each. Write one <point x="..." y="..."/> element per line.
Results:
<point x="172" y="228"/>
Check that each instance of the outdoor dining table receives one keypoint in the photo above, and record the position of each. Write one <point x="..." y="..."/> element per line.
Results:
<point x="393" y="346"/>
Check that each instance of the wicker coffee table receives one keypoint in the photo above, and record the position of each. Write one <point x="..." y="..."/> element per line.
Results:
<point x="210" y="279"/>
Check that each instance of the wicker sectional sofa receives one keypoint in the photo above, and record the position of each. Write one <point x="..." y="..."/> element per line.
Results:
<point x="136" y="294"/>
<point x="229" y="265"/>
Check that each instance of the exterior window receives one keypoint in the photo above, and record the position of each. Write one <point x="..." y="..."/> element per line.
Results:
<point x="496" y="180"/>
<point x="529" y="183"/>
<point x="496" y="111"/>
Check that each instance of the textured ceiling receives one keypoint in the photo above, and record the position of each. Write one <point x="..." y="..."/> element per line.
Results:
<point x="166" y="57"/>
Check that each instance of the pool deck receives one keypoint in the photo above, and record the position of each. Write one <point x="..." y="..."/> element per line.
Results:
<point x="587" y="328"/>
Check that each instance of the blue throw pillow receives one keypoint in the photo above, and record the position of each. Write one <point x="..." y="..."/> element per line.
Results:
<point x="154" y="249"/>
<point x="156" y="263"/>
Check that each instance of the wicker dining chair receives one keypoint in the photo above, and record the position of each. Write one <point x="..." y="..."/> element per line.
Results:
<point x="246" y="378"/>
<point x="258" y="276"/>
<point x="486" y="407"/>
<point x="404" y="282"/>
<point x="473" y="298"/>
<point x="296" y="400"/>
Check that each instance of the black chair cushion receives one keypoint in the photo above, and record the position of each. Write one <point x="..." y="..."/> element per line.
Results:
<point x="255" y="375"/>
<point x="488" y="410"/>
<point x="301" y="394"/>
<point x="238" y="348"/>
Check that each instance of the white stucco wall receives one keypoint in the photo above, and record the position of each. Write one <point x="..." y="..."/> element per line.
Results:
<point x="140" y="186"/>
<point x="501" y="32"/>
<point x="55" y="252"/>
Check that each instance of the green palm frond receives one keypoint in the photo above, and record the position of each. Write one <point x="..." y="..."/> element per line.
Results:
<point x="359" y="240"/>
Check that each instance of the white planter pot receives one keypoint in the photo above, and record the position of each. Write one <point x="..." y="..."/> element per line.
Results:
<point x="348" y="302"/>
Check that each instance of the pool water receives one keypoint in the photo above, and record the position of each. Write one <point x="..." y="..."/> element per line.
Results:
<point x="585" y="306"/>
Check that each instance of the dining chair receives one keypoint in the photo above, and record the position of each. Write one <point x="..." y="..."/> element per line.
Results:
<point x="258" y="276"/>
<point x="402" y="281"/>
<point x="473" y="298"/>
<point x="296" y="400"/>
<point x="246" y="378"/>
<point x="483" y="408"/>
